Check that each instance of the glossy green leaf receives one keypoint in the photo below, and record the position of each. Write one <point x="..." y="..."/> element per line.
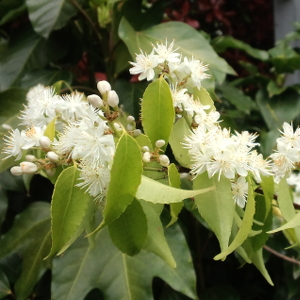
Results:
<point x="4" y="286"/>
<point x="68" y="209"/>
<point x="125" y="178"/>
<point x="213" y="204"/>
<point x="191" y="43"/>
<point x="46" y="16"/>
<point x="158" y="193"/>
<point x="143" y="140"/>
<point x="129" y="231"/>
<point x="11" y="10"/>
<point x="117" y="275"/>
<point x="221" y="43"/>
<point x="30" y="237"/>
<point x="158" y="111"/>
<point x="180" y="130"/>
<point x="50" y="130"/>
<point x="245" y="226"/>
<point x="174" y="181"/>
<point x="156" y="241"/>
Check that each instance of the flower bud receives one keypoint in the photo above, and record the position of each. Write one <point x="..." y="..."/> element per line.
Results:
<point x="45" y="142"/>
<point x="52" y="156"/>
<point x="103" y="87"/>
<point x="130" y="119"/>
<point x="197" y="119"/>
<point x="50" y="172"/>
<point x="95" y="100"/>
<point x="145" y="149"/>
<point x="16" y="171"/>
<point x="146" y="157"/>
<point x="6" y="126"/>
<point x="137" y="132"/>
<point x="28" y="167"/>
<point x="117" y="126"/>
<point x="164" y="160"/>
<point x="112" y="99"/>
<point x="129" y="127"/>
<point x="185" y="175"/>
<point x="159" y="143"/>
<point x="30" y="157"/>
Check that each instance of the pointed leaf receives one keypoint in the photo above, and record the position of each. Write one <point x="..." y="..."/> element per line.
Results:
<point x="4" y="285"/>
<point x="50" y="129"/>
<point x="245" y="226"/>
<point x="158" y="111"/>
<point x="213" y="205"/>
<point x="155" y="192"/>
<point x="125" y="178"/>
<point x="68" y="209"/>
<point x="129" y="231"/>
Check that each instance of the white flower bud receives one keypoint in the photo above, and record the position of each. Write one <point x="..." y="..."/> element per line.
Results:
<point x="6" y="126"/>
<point x="95" y="100"/>
<point x="146" y="157"/>
<point x="103" y="87"/>
<point x="137" y="132"/>
<point x="30" y="157"/>
<point x="50" y="172"/>
<point x="145" y="149"/>
<point x="112" y="99"/>
<point x="52" y="156"/>
<point x="16" y="171"/>
<point x="130" y="119"/>
<point x="45" y="142"/>
<point x="164" y="160"/>
<point x="117" y="126"/>
<point x="28" y="167"/>
<point x="129" y="127"/>
<point x="159" y="143"/>
<point x="185" y="175"/>
<point x="197" y="119"/>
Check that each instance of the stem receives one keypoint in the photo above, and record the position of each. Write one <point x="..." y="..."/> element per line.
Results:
<point x="292" y="260"/>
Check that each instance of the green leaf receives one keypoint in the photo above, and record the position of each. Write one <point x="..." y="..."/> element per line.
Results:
<point x="158" y="193"/>
<point x="156" y="241"/>
<point x="221" y="43"/>
<point x="174" y="181"/>
<point x="204" y="98"/>
<point x="46" y="16"/>
<point x="4" y="285"/>
<point x="125" y="178"/>
<point x="213" y="204"/>
<point x="68" y="209"/>
<point x="11" y="10"/>
<point x="30" y="237"/>
<point x="245" y="226"/>
<point x="180" y="130"/>
<point x="3" y="204"/>
<point x="117" y="275"/>
<point x="191" y="43"/>
<point x="50" y="130"/>
<point x="158" y="111"/>
<point x="129" y="231"/>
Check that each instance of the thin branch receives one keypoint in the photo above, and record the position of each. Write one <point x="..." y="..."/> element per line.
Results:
<point x="292" y="260"/>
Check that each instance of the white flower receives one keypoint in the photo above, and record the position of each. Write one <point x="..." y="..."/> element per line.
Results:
<point x="240" y="191"/>
<point x="14" y="144"/>
<point x="282" y="165"/>
<point x="180" y="97"/>
<point x="166" y="53"/>
<point x="290" y="138"/>
<point x="32" y="137"/>
<point x="144" y="65"/>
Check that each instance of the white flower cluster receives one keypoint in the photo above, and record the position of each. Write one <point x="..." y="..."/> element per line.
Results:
<point x="165" y="60"/>
<point x="83" y="136"/>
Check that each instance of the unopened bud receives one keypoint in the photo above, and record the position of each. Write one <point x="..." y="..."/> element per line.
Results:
<point x="129" y="127"/>
<point x="117" y="126"/>
<point x="103" y="87"/>
<point x="164" y="160"/>
<point x="50" y="172"/>
<point x="197" y="119"/>
<point x="6" y="126"/>
<point x="52" y="156"/>
<point x="45" y="142"/>
<point x="28" y="167"/>
<point x="130" y="119"/>
<point x="16" y="171"/>
<point x="185" y="175"/>
<point x="30" y="157"/>
<point x="95" y="100"/>
<point x="145" y="149"/>
<point x="159" y="143"/>
<point x="137" y="132"/>
<point x="146" y="157"/>
<point x="112" y="99"/>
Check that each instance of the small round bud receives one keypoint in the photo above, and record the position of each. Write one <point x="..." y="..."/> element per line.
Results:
<point x="45" y="142"/>
<point x="117" y="126"/>
<point x="129" y="127"/>
<point x="197" y="119"/>
<point x="146" y="157"/>
<point x="185" y="175"/>
<point x="164" y="160"/>
<point x="28" y="167"/>
<point x="112" y="99"/>
<point x="130" y="119"/>
<point x="145" y="149"/>
<point x="52" y="156"/>
<point x="137" y="132"/>
<point x="6" y="126"/>
<point x="95" y="100"/>
<point x="103" y="87"/>
<point x="50" y="172"/>
<point x="16" y="171"/>
<point x="159" y="143"/>
<point x="30" y="157"/>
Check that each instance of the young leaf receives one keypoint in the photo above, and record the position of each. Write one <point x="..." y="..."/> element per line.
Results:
<point x="125" y="178"/>
<point x="129" y="231"/>
<point x="245" y="226"/>
<point x="158" y="111"/>
<point x="155" y="192"/>
<point x="68" y="209"/>
<point x="217" y="206"/>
